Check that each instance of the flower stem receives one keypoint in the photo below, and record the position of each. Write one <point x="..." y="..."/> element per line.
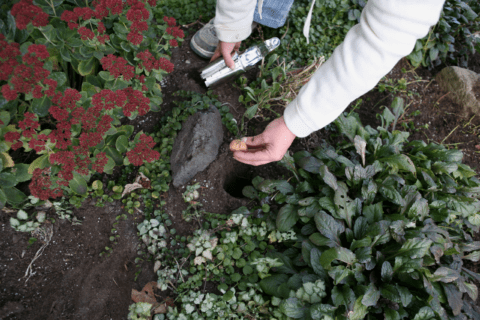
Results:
<point x="53" y="7"/>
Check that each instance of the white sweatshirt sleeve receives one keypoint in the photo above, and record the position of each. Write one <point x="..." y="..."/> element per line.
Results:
<point x="233" y="19"/>
<point x="387" y="31"/>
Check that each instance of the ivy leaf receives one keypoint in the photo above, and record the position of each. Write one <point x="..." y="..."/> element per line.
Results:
<point x="329" y="227"/>
<point x="287" y="217"/>
<point x="293" y="308"/>
<point x="371" y="296"/>
<point x="415" y="248"/>
<point x="343" y="295"/>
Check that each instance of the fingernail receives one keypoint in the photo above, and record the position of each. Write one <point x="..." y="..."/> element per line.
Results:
<point x="244" y="139"/>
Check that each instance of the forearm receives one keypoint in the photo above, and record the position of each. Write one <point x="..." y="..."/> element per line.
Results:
<point x="387" y="32"/>
<point x="233" y="19"/>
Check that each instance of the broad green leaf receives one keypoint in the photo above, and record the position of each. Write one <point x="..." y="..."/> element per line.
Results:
<point x="387" y="272"/>
<point x="344" y="205"/>
<point x="78" y="184"/>
<point x="121" y="144"/>
<point x="359" y="310"/>
<point x="293" y="308"/>
<point x="419" y="210"/>
<point x="472" y="290"/>
<point x="310" y="164"/>
<point x="474" y="256"/>
<point x="328" y="177"/>
<point x="4" y="118"/>
<point x="425" y="313"/>
<point x="390" y="292"/>
<point x="446" y="275"/>
<point x="3" y="199"/>
<point x="315" y="255"/>
<point x="60" y="77"/>
<point x="371" y="297"/>
<point x="364" y="255"/>
<point x="41" y="106"/>
<point x="270" y="284"/>
<point x="286" y="218"/>
<point x="347" y="126"/>
<point x="405" y="295"/>
<point x="321" y="241"/>
<point x="250" y="192"/>
<point x="391" y="314"/>
<point x="454" y="297"/>
<point x="40" y="163"/>
<point x="374" y="212"/>
<point x="365" y="242"/>
<point x="120" y="28"/>
<point x="318" y="311"/>
<point x="343" y="295"/>
<point x="14" y="196"/>
<point x="337" y="253"/>
<point x="97" y="185"/>
<point x="329" y="227"/>
<point x="114" y="154"/>
<point x="86" y="67"/>
<point x="392" y="194"/>
<point x="415" y="248"/>
<point x="7" y="180"/>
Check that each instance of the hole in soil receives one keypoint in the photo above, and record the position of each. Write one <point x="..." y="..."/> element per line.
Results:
<point x="235" y="184"/>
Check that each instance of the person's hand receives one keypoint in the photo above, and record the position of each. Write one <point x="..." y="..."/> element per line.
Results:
<point x="271" y="145"/>
<point x="227" y="50"/>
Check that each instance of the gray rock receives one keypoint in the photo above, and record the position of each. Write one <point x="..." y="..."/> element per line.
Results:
<point x="462" y="85"/>
<point x="196" y="146"/>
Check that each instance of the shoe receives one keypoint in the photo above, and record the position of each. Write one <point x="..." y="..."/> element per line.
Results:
<point x="205" y="41"/>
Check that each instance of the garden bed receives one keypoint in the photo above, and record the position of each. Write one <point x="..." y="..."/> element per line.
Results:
<point x="71" y="280"/>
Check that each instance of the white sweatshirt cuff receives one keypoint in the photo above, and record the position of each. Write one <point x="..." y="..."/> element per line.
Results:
<point x="240" y="33"/>
<point x="294" y="121"/>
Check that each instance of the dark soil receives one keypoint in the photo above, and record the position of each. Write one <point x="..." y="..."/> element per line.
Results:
<point x="71" y="280"/>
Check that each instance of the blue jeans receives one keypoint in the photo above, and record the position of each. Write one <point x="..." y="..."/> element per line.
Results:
<point x="274" y="13"/>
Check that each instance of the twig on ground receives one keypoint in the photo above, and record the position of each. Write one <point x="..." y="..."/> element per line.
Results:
<point x="449" y="134"/>
<point x="193" y="23"/>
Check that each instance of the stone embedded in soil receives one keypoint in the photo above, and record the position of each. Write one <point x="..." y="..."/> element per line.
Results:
<point x="196" y="146"/>
<point x="462" y="85"/>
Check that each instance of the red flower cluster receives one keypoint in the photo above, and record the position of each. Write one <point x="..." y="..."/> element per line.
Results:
<point x="148" y="62"/>
<point x="176" y="32"/>
<point x="102" y="8"/>
<point x="13" y="137"/>
<point x="136" y="101"/>
<point x="138" y="15"/>
<point x="118" y="66"/>
<point x="29" y="124"/>
<point x="72" y="17"/>
<point x="8" y="57"/>
<point x="101" y="161"/>
<point x="25" y="12"/>
<point x="173" y="43"/>
<point x="85" y="33"/>
<point x="142" y="151"/>
<point x="170" y="21"/>
<point x="27" y="77"/>
<point x="41" y="185"/>
<point x="107" y="100"/>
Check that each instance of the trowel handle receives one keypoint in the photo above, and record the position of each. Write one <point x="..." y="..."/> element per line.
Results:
<point x="215" y="66"/>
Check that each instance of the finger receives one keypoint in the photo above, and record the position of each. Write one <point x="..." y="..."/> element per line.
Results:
<point x="260" y="155"/>
<point x="216" y="54"/>
<point x="237" y="46"/>
<point x="253" y="163"/>
<point x="255" y="142"/>
<point x="226" y="49"/>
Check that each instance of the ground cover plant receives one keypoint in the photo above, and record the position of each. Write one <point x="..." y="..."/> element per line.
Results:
<point x="69" y="75"/>
<point x="375" y="227"/>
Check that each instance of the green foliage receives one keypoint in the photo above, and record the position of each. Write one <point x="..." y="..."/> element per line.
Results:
<point x="186" y="11"/>
<point x="452" y="39"/>
<point x="139" y="311"/>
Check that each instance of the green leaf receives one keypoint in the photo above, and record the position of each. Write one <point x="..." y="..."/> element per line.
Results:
<point x="329" y="227"/>
<point x="22" y="215"/>
<point x="399" y="161"/>
<point x="371" y="297"/>
<point x="387" y="271"/>
<point x="7" y="180"/>
<point x="315" y="255"/>
<point x="359" y="310"/>
<point x="5" y="118"/>
<point x="328" y="177"/>
<point x="40" y="163"/>
<point x="121" y="144"/>
<point x="454" y="297"/>
<point x="446" y="275"/>
<point x="286" y="218"/>
<point x="405" y="295"/>
<point x="41" y="106"/>
<point x="344" y="205"/>
<point x="391" y="314"/>
<point x="86" y="67"/>
<point x="60" y="77"/>
<point x="270" y="284"/>
<point x="347" y="126"/>
<point x="343" y="295"/>
<point x="374" y="212"/>
<point x="250" y="192"/>
<point x="3" y="199"/>
<point x="114" y="154"/>
<point x="14" y="196"/>
<point x="425" y="313"/>
<point x="318" y="311"/>
<point x="472" y="290"/>
<point x="415" y="248"/>
<point x="390" y="292"/>
<point x="338" y="253"/>
<point x="105" y="75"/>
<point x="251" y="111"/>
<point x="78" y="184"/>
<point x="120" y="28"/>
<point x="293" y="308"/>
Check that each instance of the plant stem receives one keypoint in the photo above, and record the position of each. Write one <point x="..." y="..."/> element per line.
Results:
<point x="53" y="7"/>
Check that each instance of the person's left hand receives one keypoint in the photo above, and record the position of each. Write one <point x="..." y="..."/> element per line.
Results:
<point x="226" y="49"/>
<point x="271" y="145"/>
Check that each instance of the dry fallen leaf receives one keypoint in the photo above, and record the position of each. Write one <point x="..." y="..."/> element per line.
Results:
<point x="130" y="187"/>
<point x="146" y="294"/>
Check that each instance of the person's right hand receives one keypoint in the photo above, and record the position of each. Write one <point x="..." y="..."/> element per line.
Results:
<point x="227" y="50"/>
